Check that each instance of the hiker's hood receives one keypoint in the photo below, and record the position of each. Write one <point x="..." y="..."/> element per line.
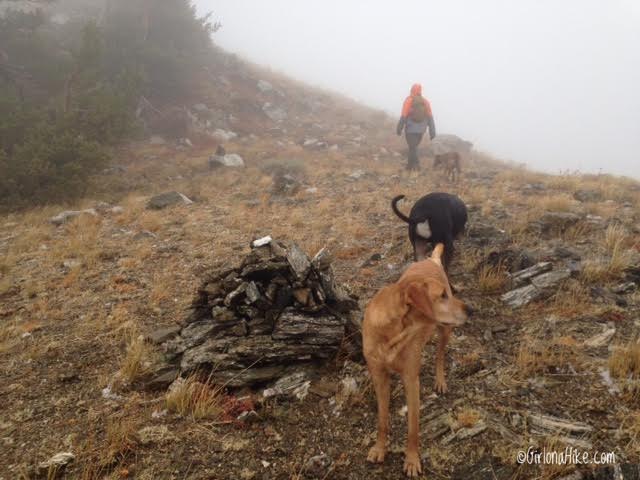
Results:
<point x="416" y="89"/>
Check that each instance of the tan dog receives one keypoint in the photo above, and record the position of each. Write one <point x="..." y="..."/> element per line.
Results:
<point x="450" y="161"/>
<point x="397" y="323"/>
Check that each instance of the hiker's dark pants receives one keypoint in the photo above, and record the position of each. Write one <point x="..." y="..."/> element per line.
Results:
<point x="413" y="140"/>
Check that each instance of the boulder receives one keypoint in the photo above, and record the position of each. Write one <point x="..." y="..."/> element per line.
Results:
<point x="168" y="199"/>
<point x="277" y="114"/>
<point x="264" y="86"/>
<point x="228" y="160"/>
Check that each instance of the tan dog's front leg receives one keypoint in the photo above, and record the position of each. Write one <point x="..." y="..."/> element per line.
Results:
<point x="412" y="465"/>
<point x="382" y="384"/>
<point x="444" y="332"/>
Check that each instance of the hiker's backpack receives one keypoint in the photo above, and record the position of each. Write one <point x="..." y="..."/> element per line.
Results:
<point x="418" y="112"/>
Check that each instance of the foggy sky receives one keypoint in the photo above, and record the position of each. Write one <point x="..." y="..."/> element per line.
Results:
<point x="553" y="84"/>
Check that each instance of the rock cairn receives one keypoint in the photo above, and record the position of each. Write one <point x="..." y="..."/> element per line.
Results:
<point x="274" y="313"/>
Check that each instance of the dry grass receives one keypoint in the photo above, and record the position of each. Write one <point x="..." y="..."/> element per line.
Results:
<point x="619" y="258"/>
<point x="571" y="299"/>
<point x="137" y="358"/>
<point x="120" y="441"/>
<point x="492" y="279"/>
<point x="598" y="270"/>
<point x="467" y="417"/>
<point x="615" y="236"/>
<point x="624" y="364"/>
<point x="556" y="203"/>
<point x="191" y="398"/>
<point x="538" y="357"/>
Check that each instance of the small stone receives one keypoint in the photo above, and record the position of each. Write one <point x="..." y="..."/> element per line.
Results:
<point x="56" y="464"/>
<point x="64" y="217"/>
<point x="246" y="474"/>
<point x="168" y="199"/>
<point x="163" y="334"/>
<point x="298" y="261"/>
<point x="156" y="434"/>
<point x="317" y="466"/>
<point x="261" y="242"/>
<point x="601" y="339"/>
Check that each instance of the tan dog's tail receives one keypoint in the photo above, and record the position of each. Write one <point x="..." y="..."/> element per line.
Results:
<point x="436" y="256"/>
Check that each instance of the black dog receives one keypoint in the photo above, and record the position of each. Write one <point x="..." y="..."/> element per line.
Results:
<point x="435" y="218"/>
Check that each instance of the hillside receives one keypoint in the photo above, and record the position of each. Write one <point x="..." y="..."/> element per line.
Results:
<point x="79" y="300"/>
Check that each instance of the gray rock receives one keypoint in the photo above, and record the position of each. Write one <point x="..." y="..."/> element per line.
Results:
<point x="317" y="466"/>
<point x="277" y="114"/>
<point x="550" y="279"/>
<point x="523" y="277"/>
<point x="357" y="174"/>
<point x="555" y="222"/>
<point x="155" y="434"/>
<point x="71" y="263"/>
<point x="168" y="199"/>
<point x="444" y="143"/>
<point x="287" y="385"/>
<point x="264" y="86"/>
<point x="160" y="378"/>
<point x="157" y="140"/>
<point x="64" y="217"/>
<point x="261" y="242"/>
<point x="484" y="233"/>
<point x="56" y="464"/>
<point x="522" y="296"/>
<point x="587" y="195"/>
<point x="626" y="287"/>
<point x="298" y="261"/>
<point x="161" y="335"/>
<point x="307" y="329"/>
<point x="228" y="160"/>
<point x="224" y="136"/>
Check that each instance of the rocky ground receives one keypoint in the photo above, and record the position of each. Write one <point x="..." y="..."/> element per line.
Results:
<point x="550" y="263"/>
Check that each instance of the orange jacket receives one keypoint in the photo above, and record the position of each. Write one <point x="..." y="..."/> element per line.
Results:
<point x="416" y="90"/>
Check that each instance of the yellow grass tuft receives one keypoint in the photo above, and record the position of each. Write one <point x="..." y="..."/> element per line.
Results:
<point x="624" y="361"/>
<point x="491" y="279"/>
<point x="137" y="358"/>
<point x="194" y="399"/>
<point x="467" y="417"/>
<point x="556" y="203"/>
<point x="536" y="357"/>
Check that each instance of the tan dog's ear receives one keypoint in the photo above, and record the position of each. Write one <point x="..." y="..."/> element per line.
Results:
<point x="417" y="295"/>
<point x="436" y="255"/>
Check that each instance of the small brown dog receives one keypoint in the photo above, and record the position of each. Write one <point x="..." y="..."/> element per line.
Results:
<point x="450" y="161"/>
<point x="397" y="323"/>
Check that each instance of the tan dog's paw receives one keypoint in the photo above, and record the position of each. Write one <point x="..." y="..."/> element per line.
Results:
<point x="441" y="386"/>
<point x="412" y="465"/>
<point x="377" y="453"/>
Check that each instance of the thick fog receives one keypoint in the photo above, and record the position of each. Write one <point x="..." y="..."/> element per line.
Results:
<point x="553" y="84"/>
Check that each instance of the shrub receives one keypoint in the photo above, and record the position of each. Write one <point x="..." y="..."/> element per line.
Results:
<point x="49" y="166"/>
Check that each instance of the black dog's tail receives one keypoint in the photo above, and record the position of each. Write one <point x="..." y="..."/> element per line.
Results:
<point x="397" y="211"/>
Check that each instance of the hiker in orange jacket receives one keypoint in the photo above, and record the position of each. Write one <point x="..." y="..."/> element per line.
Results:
<point x="415" y="118"/>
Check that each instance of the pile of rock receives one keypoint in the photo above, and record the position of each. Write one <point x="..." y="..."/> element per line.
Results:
<point x="274" y="313"/>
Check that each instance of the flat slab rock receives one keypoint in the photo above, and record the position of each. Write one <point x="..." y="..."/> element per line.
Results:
<point x="168" y="199"/>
